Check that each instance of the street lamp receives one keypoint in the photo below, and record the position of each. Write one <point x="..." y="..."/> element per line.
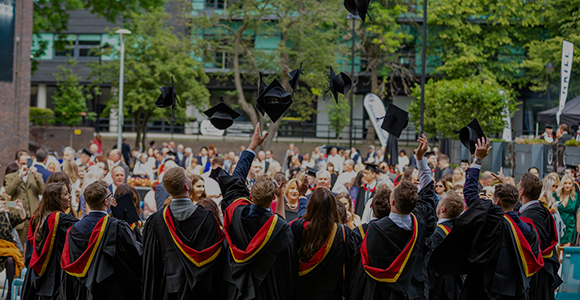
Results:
<point x="120" y="113"/>
<point x="549" y="69"/>
<point x="423" y="64"/>
<point x="356" y="20"/>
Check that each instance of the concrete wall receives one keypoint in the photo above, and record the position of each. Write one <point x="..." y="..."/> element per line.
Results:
<point x="56" y="138"/>
<point x="15" y="95"/>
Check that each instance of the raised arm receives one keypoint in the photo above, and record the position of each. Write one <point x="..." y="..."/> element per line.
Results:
<point x="426" y="202"/>
<point x="470" y="190"/>
<point x="424" y="170"/>
<point x="247" y="157"/>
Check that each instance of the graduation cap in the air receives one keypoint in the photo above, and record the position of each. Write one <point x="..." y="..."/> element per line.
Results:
<point x="311" y="171"/>
<point x="295" y="78"/>
<point x="87" y="152"/>
<point x="273" y="100"/>
<point x="340" y="83"/>
<point x="167" y="98"/>
<point x="358" y="8"/>
<point x="470" y="134"/>
<point x="221" y="115"/>
<point x="125" y="209"/>
<point x="395" y="120"/>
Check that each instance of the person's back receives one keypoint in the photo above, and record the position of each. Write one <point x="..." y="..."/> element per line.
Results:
<point x="390" y="261"/>
<point x="101" y="256"/>
<point x="261" y="262"/>
<point x="322" y="248"/>
<point x="183" y="251"/>
<point x="46" y="237"/>
<point x="498" y="250"/>
<point x="545" y="281"/>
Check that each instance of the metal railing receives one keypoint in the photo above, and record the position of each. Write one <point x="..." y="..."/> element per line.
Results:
<point x="288" y="129"/>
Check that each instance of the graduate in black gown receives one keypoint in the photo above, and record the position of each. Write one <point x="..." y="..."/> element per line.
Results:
<point x="496" y="249"/>
<point x="367" y="190"/>
<point x="446" y="287"/>
<point x="183" y="252"/>
<point x="101" y="256"/>
<point x="381" y="208"/>
<point x="260" y="260"/>
<point x="46" y="235"/>
<point x="390" y="262"/>
<point x="322" y="248"/>
<point x="546" y="280"/>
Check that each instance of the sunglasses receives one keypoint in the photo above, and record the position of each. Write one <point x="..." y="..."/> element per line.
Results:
<point x="439" y="185"/>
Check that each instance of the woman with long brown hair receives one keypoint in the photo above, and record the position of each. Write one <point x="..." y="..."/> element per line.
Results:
<point x="124" y="189"/>
<point x="64" y="179"/>
<point x="197" y="188"/>
<point x="320" y="240"/>
<point x="46" y="235"/>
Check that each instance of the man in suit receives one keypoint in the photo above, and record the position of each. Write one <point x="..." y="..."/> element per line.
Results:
<point x="118" y="176"/>
<point x="115" y="156"/>
<point x="187" y="157"/>
<point x="180" y="155"/>
<point x="564" y="136"/>
<point x="203" y="159"/>
<point x="26" y="185"/>
<point x="41" y="158"/>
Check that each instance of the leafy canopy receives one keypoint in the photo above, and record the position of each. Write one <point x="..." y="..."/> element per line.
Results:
<point x="70" y="98"/>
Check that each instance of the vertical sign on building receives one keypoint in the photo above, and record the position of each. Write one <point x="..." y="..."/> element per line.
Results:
<point x="566" y="71"/>
<point x="7" y="10"/>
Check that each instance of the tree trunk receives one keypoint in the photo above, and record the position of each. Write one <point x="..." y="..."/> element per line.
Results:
<point x="247" y="107"/>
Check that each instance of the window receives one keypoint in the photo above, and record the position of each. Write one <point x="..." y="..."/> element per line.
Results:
<point x="77" y="46"/>
<point x="215" y="4"/>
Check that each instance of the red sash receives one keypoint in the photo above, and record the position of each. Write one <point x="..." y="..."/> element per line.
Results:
<point x="198" y="258"/>
<point x="257" y="243"/>
<point x="530" y="262"/>
<point x="39" y="261"/>
<point x="305" y="267"/>
<point x="549" y="251"/>
<point x="391" y="273"/>
<point x="365" y="187"/>
<point x="312" y="188"/>
<point x="80" y="267"/>
<point x="444" y="228"/>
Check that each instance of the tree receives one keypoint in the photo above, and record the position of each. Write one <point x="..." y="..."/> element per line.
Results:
<point x="305" y="31"/>
<point x="452" y="104"/>
<point x="70" y="98"/>
<point x="338" y="115"/>
<point x="153" y="54"/>
<point x="482" y="38"/>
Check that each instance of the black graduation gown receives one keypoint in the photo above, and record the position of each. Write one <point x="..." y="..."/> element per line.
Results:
<point x="103" y="264"/>
<point x="183" y="259"/>
<point x="43" y="277"/>
<point x="323" y="276"/>
<point x="546" y="280"/>
<point x="359" y="207"/>
<point x="390" y="261"/>
<point x="261" y="260"/>
<point x="486" y="245"/>
<point x="447" y="287"/>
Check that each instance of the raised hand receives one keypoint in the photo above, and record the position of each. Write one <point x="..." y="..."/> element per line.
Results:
<point x="500" y="177"/>
<point x="257" y="138"/>
<point x="303" y="188"/>
<point x="422" y="148"/>
<point x="482" y="148"/>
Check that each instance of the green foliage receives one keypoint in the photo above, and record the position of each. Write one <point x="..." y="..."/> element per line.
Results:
<point x="482" y="38"/>
<point x="53" y="15"/>
<point x="572" y="143"/>
<point x="452" y="104"/>
<point x="153" y="53"/>
<point x="338" y="115"/>
<point x="41" y="116"/>
<point x="70" y="98"/>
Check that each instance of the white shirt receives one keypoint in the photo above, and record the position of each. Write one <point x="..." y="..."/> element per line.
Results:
<point x="443" y="220"/>
<point x="403" y="161"/>
<point x="403" y="221"/>
<point x="337" y="161"/>
<point x="527" y="205"/>
<point x="342" y="179"/>
<point x="212" y="187"/>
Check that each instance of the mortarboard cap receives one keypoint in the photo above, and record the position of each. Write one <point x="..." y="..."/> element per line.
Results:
<point x="572" y="167"/>
<point x="340" y="83"/>
<point x="358" y="7"/>
<point x="274" y="100"/>
<point x="311" y="171"/>
<point x="295" y="78"/>
<point x="549" y="126"/>
<point x="221" y="115"/>
<point x="470" y="134"/>
<point x="167" y="98"/>
<point x="372" y="167"/>
<point x="125" y="209"/>
<point x="395" y="120"/>
<point x="430" y="153"/>
<point x="87" y="152"/>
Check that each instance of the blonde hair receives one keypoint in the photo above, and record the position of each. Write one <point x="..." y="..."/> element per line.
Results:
<point x="547" y="195"/>
<point x="561" y="187"/>
<point x="94" y="174"/>
<point x="71" y="169"/>
<point x="462" y="180"/>
<point x="287" y="188"/>
<point x="263" y="191"/>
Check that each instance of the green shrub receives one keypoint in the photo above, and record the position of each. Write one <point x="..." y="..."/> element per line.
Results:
<point x="41" y="116"/>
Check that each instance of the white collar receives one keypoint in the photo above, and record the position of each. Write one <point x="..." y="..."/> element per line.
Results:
<point x="443" y="220"/>
<point x="527" y="205"/>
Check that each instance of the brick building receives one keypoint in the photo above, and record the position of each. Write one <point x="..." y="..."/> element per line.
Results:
<point x="16" y="37"/>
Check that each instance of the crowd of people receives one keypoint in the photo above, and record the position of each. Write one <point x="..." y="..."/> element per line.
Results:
<point x="331" y="224"/>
